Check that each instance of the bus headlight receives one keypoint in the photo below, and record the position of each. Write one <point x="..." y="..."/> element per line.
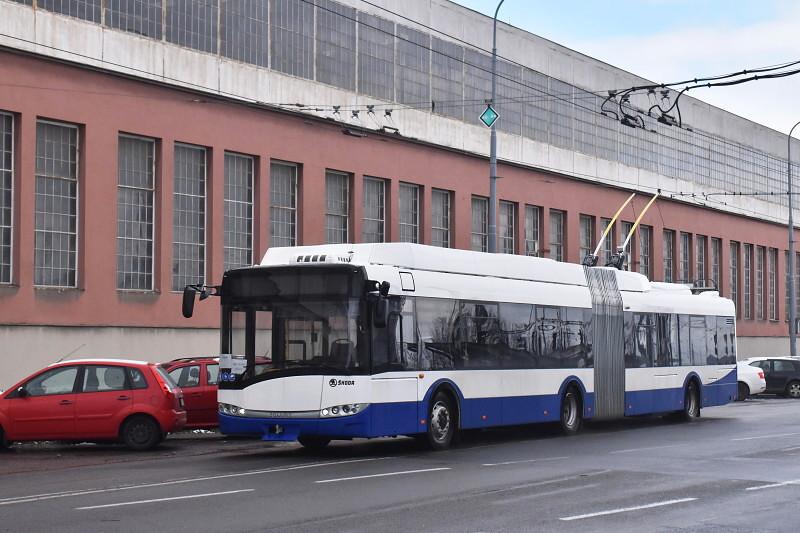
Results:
<point x="233" y="410"/>
<point x="347" y="409"/>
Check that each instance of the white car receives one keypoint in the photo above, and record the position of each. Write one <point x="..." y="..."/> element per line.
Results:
<point x="750" y="380"/>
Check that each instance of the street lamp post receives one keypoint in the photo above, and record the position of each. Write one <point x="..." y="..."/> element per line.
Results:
<point x="790" y="288"/>
<point x="493" y="146"/>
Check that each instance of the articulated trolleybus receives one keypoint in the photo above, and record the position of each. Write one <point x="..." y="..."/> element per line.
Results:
<point x="370" y="340"/>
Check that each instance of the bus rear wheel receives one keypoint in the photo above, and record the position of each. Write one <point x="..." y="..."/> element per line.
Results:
<point x="571" y="411"/>
<point x="442" y="422"/>
<point x="691" y="403"/>
<point x="312" y="442"/>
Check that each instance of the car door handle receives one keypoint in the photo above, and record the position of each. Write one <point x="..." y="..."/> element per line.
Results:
<point x="65" y="402"/>
<point x="123" y="398"/>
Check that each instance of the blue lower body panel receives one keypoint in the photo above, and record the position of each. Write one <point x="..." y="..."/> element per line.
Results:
<point x="646" y="402"/>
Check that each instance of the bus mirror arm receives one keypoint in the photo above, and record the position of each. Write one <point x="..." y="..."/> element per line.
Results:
<point x="205" y="291"/>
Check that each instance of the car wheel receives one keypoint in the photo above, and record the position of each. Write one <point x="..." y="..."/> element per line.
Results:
<point x="313" y="442"/>
<point x="691" y="403"/>
<point x="743" y="392"/>
<point x="571" y="411"/>
<point x="141" y="433"/>
<point x="442" y="422"/>
<point x="793" y="389"/>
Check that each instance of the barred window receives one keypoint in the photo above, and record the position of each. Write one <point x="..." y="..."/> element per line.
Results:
<point x="337" y="207"/>
<point x="480" y="217"/>
<point x="587" y="236"/>
<point x="56" y="215"/>
<point x="375" y="56"/>
<point x="142" y="17"/>
<point x="557" y="234"/>
<point x="669" y="255"/>
<point x="189" y="216"/>
<point x="509" y="97"/>
<point x="748" y="280"/>
<point x="440" y="218"/>
<point x="716" y="253"/>
<point x="243" y="31"/>
<point x="193" y="23"/>
<point x="627" y="228"/>
<point x="734" y="274"/>
<point x="373" y="222"/>
<point x="292" y="37"/>
<point x="760" y="260"/>
<point x="537" y="106"/>
<point x="533" y="215"/>
<point x="700" y="258"/>
<point x="82" y="9"/>
<point x="238" y="211"/>
<point x="609" y="243"/>
<point x="477" y="83"/>
<point x="413" y="66"/>
<point x="685" y="258"/>
<point x="773" y="283"/>
<point x="135" y="195"/>
<point x="447" y="78"/>
<point x="585" y="116"/>
<point x="6" y="195"/>
<point x="283" y="204"/>
<point x="409" y="212"/>
<point x="336" y="44"/>
<point x="562" y="115"/>
<point x="645" y="247"/>
<point x="507" y="227"/>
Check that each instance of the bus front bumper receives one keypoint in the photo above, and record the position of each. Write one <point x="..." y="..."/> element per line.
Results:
<point x="289" y="429"/>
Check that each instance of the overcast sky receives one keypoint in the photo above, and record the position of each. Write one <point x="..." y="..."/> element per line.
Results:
<point x="670" y="40"/>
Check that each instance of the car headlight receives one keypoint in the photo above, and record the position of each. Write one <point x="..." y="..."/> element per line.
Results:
<point x="347" y="409"/>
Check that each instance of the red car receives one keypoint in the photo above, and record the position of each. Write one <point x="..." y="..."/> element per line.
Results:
<point x="197" y="378"/>
<point x="93" y="400"/>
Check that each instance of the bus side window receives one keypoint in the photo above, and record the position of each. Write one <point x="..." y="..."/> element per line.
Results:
<point x="630" y="345"/>
<point x="435" y="319"/>
<point x="684" y="339"/>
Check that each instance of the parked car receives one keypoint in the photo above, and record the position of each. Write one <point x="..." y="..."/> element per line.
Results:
<point x="781" y="373"/>
<point x="133" y="402"/>
<point x="750" y="379"/>
<point x="197" y="377"/>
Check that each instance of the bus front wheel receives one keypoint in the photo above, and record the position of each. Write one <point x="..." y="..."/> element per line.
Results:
<point x="571" y="411"/>
<point x="442" y="422"/>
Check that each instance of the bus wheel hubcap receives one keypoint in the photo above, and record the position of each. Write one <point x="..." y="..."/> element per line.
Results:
<point x="570" y="412"/>
<point x="440" y="421"/>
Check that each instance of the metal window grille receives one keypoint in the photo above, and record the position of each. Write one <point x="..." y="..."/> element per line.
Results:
<point x="238" y="231"/>
<point x="480" y="217"/>
<point x="243" y="31"/>
<point x="373" y="223"/>
<point x="477" y="83"/>
<point x="734" y="274"/>
<point x="533" y="216"/>
<point x="669" y="256"/>
<point x="193" y="23"/>
<point x="336" y="44"/>
<point x="563" y="114"/>
<point x="6" y="195"/>
<point x="142" y="17"/>
<point x="189" y="216"/>
<point x="509" y="97"/>
<point x="447" y="78"/>
<point x="627" y="227"/>
<point x="645" y="247"/>
<point x="56" y="212"/>
<point x="82" y="9"/>
<point x="685" y="258"/>
<point x="609" y="243"/>
<point x="716" y="253"/>
<point x="409" y="212"/>
<point x="748" y="280"/>
<point x="585" y="117"/>
<point x="586" y="236"/>
<point x="537" y="106"/>
<point x="773" y="283"/>
<point x="135" y="212"/>
<point x="440" y="218"/>
<point x="507" y="227"/>
<point x="337" y="214"/>
<point x="700" y="257"/>
<point x="760" y="260"/>
<point x="283" y="204"/>
<point x="375" y="56"/>
<point x="412" y="66"/>
<point x="556" y="235"/>
<point x="292" y="37"/>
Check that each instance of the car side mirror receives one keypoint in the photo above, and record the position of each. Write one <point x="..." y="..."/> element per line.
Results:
<point x="188" y="301"/>
<point x="380" y="313"/>
<point x="22" y="392"/>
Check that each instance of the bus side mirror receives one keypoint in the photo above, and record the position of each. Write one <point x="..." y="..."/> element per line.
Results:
<point x="380" y="313"/>
<point x="188" y="301"/>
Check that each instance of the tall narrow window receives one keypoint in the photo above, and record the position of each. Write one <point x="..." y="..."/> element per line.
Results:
<point x="627" y="227"/>
<point x="557" y="235"/>
<point x="669" y="256"/>
<point x="6" y="194"/>
<point x="761" y="255"/>
<point x="701" y="272"/>
<point x="587" y="236"/>
<point x="409" y="212"/>
<point x="189" y="217"/>
<point x="56" y="214"/>
<point x="283" y="204"/>
<point x="734" y="274"/>
<point x="645" y="247"/>
<point x="440" y="218"/>
<point x="773" y="283"/>
<point x="748" y="280"/>
<point x="337" y="207"/>
<point x="374" y="218"/>
<point x="238" y="211"/>
<point x="532" y="235"/>
<point x="135" y="171"/>
<point x="609" y="243"/>
<point x="480" y="217"/>
<point x="685" y="258"/>
<point x="716" y="253"/>
<point x="507" y="227"/>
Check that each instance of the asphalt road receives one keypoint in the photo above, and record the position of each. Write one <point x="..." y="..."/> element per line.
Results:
<point x="736" y="469"/>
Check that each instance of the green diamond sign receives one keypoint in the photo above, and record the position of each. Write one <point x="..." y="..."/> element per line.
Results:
<point x="489" y="116"/>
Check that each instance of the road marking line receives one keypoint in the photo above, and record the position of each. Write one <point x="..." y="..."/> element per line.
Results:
<point x="542" y="494"/>
<point x="547" y="482"/>
<point x="793" y="448"/>
<point x="773" y="485"/>
<point x="525" y="461"/>
<point x="162" y="499"/>
<point x="383" y="475"/>
<point x="767" y="436"/>
<point x="626" y="509"/>
<point x="51" y="496"/>
<point x="629" y="450"/>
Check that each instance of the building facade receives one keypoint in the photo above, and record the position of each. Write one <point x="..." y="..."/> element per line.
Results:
<point x="147" y="144"/>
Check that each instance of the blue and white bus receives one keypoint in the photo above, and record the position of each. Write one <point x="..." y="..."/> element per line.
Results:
<point x="370" y="340"/>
